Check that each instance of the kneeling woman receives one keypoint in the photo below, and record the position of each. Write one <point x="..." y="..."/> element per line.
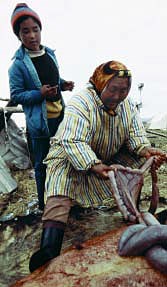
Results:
<point x="101" y="127"/>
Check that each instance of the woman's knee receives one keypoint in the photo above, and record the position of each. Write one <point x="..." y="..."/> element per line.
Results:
<point x="57" y="208"/>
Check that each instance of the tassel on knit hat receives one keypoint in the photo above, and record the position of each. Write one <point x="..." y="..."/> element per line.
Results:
<point x="22" y="10"/>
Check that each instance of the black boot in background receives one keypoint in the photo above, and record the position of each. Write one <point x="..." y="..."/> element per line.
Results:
<point x="51" y="242"/>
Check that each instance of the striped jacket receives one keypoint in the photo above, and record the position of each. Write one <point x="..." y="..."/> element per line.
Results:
<point x="88" y="135"/>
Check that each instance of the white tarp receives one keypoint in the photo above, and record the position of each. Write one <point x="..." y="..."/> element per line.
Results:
<point x="7" y="183"/>
<point x="159" y="122"/>
<point x="14" y="149"/>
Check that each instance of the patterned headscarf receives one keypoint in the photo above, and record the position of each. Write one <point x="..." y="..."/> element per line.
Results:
<point x="105" y="72"/>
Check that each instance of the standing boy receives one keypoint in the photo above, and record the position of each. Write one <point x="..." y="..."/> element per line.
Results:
<point x="35" y="83"/>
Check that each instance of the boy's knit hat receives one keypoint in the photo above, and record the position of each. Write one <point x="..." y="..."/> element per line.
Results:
<point x="22" y="10"/>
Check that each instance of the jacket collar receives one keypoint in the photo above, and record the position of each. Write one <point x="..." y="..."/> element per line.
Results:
<point x="20" y="53"/>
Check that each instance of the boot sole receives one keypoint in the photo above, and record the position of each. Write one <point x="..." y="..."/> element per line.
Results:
<point x="40" y="258"/>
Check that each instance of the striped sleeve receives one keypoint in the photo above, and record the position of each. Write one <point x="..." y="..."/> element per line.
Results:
<point x="137" y="134"/>
<point x="76" y="137"/>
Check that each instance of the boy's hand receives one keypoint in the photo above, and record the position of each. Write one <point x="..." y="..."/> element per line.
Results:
<point x="49" y="92"/>
<point x="67" y="86"/>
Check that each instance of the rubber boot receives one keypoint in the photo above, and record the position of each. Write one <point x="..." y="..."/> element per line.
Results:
<point x="51" y="242"/>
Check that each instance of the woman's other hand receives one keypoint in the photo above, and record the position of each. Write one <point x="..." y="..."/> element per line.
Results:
<point x="101" y="170"/>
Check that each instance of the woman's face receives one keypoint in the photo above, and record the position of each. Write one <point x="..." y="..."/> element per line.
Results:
<point x="115" y="92"/>
<point x="30" y="34"/>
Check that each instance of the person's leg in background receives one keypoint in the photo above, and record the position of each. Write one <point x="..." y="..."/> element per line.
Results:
<point x="40" y="147"/>
<point x="54" y="220"/>
<point x="40" y="150"/>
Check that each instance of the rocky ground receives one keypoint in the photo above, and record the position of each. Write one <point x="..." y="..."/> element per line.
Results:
<point x="20" y="223"/>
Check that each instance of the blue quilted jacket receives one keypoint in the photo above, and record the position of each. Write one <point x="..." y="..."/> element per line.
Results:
<point x="25" y="90"/>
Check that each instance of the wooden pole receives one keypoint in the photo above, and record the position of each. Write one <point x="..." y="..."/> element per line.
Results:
<point x="6" y="100"/>
<point x="155" y="133"/>
<point x="11" y="109"/>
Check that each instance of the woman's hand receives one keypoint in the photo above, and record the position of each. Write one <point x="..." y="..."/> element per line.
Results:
<point x="160" y="156"/>
<point x="150" y="151"/>
<point x="101" y="170"/>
